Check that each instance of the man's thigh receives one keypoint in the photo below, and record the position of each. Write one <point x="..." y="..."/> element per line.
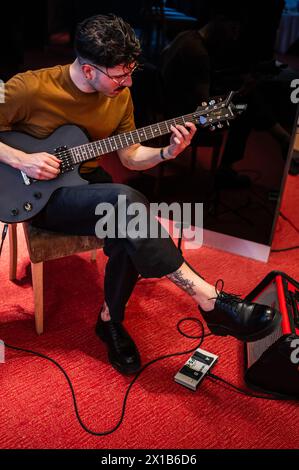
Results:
<point x="73" y="210"/>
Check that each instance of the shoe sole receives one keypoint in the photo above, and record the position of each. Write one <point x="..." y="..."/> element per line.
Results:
<point x="222" y="331"/>
<point x="115" y="365"/>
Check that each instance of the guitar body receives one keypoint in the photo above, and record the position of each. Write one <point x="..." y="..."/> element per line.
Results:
<point x="20" y="201"/>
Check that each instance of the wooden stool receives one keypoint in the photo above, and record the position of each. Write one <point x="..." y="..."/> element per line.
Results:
<point x="44" y="245"/>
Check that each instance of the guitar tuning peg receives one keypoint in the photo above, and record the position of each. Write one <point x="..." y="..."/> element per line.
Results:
<point x="227" y="123"/>
<point x="219" y="125"/>
<point x="212" y="102"/>
<point x="212" y="128"/>
<point x="204" y="103"/>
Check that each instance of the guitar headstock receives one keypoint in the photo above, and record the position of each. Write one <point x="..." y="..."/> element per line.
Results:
<point x="218" y="112"/>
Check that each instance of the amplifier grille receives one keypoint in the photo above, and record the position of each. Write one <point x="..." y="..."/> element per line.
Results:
<point x="257" y="348"/>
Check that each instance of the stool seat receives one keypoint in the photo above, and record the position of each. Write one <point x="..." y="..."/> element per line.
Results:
<point x="44" y="245"/>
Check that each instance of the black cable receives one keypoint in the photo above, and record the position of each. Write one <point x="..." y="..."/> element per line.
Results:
<point x="110" y="431"/>
<point x="201" y="337"/>
<point x="289" y="221"/>
<point x="285" y="249"/>
<point x="4" y="233"/>
<point x="272" y="396"/>
<point x="278" y="250"/>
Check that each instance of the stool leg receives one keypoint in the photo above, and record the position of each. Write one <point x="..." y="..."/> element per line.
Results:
<point x="38" y="291"/>
<point x="13" y="251"/>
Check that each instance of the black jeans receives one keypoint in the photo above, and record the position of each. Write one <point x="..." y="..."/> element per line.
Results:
<point x="72" y="210"/>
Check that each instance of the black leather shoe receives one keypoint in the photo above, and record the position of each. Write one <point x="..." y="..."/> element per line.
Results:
<point x="122" y="351"/>
<point x="246" y="321"/>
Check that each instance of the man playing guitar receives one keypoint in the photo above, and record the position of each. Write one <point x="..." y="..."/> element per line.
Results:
<point x="93" y="93"/>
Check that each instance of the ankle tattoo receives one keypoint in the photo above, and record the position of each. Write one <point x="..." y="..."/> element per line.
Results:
<point x="186" y="284"/>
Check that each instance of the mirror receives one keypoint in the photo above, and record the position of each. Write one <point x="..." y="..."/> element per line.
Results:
<point x="238" y="172"/>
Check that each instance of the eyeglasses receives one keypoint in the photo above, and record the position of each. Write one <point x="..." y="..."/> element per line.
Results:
<point x="119" y="79"/>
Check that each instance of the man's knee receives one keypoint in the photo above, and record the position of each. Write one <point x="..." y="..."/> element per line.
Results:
<point x="131" y="194"/>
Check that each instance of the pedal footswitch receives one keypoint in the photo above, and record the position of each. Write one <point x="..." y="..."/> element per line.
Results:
<point x="196" y="368"/>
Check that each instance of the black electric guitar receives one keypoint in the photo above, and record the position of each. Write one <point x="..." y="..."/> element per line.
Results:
<point x="21" y="197"/>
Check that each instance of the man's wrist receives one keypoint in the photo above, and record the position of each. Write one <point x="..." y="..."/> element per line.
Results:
<point x="12" y="157"/>
<point x="164" y="154"/>
<point x="17" y="160"/>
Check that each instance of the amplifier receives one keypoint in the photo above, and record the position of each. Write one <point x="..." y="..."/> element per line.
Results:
<point x="272" y="363"/>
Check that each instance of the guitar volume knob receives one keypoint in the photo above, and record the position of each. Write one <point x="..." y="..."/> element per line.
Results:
<point x="27" y="206"/>
<point x="14" y="212"/>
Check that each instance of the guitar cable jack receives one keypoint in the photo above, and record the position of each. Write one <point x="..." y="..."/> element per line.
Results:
<point x="4" y="233"/>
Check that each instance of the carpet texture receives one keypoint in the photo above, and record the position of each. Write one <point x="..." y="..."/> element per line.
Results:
<point x="36" y="409"/>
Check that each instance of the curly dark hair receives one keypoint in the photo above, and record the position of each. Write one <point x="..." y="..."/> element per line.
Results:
<point x="106" y="40"/>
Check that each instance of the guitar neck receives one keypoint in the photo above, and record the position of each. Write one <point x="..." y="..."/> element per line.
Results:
<point x="97" y="148"/>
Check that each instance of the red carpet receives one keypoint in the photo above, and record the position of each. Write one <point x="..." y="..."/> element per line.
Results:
<point x="36" y="406"/>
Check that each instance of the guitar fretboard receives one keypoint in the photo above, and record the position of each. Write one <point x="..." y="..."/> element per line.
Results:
<point x="91" y="150"/>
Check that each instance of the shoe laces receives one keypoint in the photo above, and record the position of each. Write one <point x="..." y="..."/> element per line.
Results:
<point x="116" y="335"/>
<point x="113" y="330"/>
<point x="226" y="301"/>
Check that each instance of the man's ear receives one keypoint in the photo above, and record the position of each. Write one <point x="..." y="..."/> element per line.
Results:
<point x="88" y="71"/>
